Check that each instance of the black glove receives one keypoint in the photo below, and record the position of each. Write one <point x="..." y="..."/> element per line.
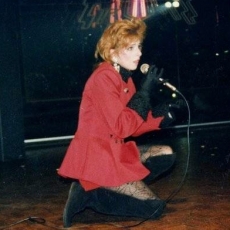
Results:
<point x="140" y="102"/>
<point x="165" y="110"/>
<point x="170" y="110"/>
<point x="151" y="81"/>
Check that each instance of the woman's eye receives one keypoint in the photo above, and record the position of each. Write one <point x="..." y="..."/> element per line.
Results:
<point x="139" y="46"/>
<point x="130" y="48"/>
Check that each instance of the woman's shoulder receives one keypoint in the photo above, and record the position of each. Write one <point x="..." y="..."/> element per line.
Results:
<point x="105" y="74"/>
<point x="105" y="66"/>
<point x="105" y="70"/>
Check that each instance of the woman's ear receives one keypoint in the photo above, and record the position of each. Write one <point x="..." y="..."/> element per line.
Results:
<point x="112" y="51"/>
<point x="113" y="56"/>
<point x="114" y="59"/>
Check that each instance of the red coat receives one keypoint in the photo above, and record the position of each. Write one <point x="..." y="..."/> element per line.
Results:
<point x="98" y="153"/>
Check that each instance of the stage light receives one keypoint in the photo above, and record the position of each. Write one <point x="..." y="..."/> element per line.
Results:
<point x="176" y="4"/>
<point x="168" y="4"/>
<point x="174" y="95"/>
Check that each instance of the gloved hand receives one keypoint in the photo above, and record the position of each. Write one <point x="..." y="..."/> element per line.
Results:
<point x="166" y="110"/>
<point x="170" y="110"/>
<point x="152" y="80"/>
<point x="140" y="102"/>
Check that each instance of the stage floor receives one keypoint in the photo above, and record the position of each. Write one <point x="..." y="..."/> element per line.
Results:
<point x="32" y="196"/>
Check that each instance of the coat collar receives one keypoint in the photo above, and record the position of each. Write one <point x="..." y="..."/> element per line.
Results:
<point x="125" y="74"/>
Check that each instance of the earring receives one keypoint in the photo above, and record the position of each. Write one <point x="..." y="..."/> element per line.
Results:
<point x="115" y="64"/>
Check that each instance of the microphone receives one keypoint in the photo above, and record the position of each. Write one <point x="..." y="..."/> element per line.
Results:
<point x="144" y="69"/>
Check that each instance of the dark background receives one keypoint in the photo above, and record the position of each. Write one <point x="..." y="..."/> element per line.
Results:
<point x="47" y="54"/>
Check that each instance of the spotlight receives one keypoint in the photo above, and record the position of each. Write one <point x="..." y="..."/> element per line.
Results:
<point x="168" y="4"/>
<point x="176" y="4"/>
<point x="174" y="95"/>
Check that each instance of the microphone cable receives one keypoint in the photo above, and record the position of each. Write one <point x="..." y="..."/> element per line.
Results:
<point x="188" y="152"/>
<point x="178" y="188"/>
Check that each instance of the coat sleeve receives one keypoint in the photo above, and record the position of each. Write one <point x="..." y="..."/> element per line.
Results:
<point x="140" y="103"/>
<point x="106" y="89"/>
<point x="150" y="124"/>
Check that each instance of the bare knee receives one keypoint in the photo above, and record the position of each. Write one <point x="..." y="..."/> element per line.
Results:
<point x="161" y="150"/>
<point x="167" y="150"/>
<point x="156" y="150"/>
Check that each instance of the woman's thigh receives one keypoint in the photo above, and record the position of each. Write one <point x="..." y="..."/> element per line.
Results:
<point x="147" y="151"/>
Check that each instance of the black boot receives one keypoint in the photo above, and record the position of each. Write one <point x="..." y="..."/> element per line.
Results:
<point x="77" y="201"/>
<point x="109" y="202"/>
<point x="158" y="165"/>
<point x="112" y="203"/>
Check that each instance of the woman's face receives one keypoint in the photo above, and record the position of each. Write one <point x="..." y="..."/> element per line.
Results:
<point x="129" y="57"/>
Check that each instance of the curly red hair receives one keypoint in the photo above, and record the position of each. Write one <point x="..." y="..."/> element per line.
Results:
<point x="118" y="36"/>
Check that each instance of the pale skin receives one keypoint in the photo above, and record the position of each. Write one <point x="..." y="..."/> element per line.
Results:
<point x="129" y="59"/>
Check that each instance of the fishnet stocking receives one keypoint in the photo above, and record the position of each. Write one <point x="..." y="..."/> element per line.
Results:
<point x="139" y="189"/>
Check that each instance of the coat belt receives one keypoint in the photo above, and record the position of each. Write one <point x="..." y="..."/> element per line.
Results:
<point x="117" y="140"/>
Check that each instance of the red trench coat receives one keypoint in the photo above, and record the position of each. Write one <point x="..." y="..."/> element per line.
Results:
<point x="98" y="153"/>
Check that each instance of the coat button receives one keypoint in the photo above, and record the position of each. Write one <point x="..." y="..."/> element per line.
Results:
<point x="126" y="90"/>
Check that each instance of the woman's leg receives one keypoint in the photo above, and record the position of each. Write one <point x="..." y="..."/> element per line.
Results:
<point x="148" y="154"/>
<point x="148" y="151"/>
<point x="122" y="202"/>
<point x="77" y="201"/>
<point x="136" y="189"/>
<point x="130" y="199"/>
<point x="157" y="158"/>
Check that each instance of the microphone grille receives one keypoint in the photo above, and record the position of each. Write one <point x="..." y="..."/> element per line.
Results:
<point x="144" y="68"/>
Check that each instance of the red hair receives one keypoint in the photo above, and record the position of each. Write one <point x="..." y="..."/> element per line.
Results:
<point x="118" y="36"/>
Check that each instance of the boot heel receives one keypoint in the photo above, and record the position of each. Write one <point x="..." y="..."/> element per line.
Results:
<point x="77" y="202"/>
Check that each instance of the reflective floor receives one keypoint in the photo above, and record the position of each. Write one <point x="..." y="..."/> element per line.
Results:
<point x="32" y="196"/>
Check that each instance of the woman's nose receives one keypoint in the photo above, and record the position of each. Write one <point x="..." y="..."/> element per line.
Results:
<point x="139" y="53"/>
